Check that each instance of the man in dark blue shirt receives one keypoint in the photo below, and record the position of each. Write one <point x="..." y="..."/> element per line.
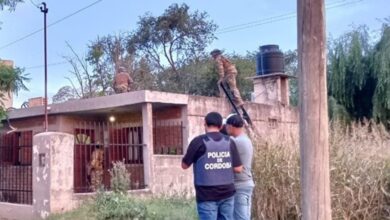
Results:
<point x="215" y="159"/>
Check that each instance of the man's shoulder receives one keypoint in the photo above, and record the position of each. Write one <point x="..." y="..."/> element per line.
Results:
<point x="200" y="137"/>
<point x="242" y="139"/>
<point x="198" y="140"/>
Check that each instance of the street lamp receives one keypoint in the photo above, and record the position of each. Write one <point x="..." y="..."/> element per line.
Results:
<point x="44" y="10"/>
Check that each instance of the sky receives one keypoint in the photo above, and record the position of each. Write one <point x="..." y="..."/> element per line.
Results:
<point x="267" y="22"/>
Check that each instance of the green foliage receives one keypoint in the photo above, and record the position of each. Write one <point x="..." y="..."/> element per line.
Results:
<point x="105" y="55"/>
<point x="120" y="177"/>
<point x="358" y="74"/>
<point x="63" y="94"/>
<point x="337" y="112"/>
<point x="2" y="115"/>
<point x="348" y="66"/>
<point x="143" y="76"/>
<point x="246" y="67"/>
<point x="10" y="4"/>
<point x="118" y="206"/>
<point x="199" y="77"/>
<point x="381" y="63"/>
<point x="176" y="37"/>
<point x="291" y="68"/>
<point x="12" y="79"/>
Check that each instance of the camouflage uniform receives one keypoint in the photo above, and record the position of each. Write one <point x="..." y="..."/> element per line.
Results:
<point x="122" y="81"/>
<point x="97" y="168"/>
<point x="228" y="73"/>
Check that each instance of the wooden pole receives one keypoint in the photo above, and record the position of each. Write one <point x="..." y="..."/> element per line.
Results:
<point x="313" y="118"/>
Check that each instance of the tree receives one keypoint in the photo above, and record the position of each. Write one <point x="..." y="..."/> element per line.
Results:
<point x="10" y="4"/>
<point x="358" y="73"/>
<point x="246" y="67"/>
<point x="85" y="87"/>
<point x="12" y="80"/>
<point x="64" y="94"/>
<point x="291" y="68"/>
<point x="143" y="76"/>
<point x="350" y="77"/>
<point x="381" y="69"/>
<point x="176" y="38"/>
<point x="106" y="54"/>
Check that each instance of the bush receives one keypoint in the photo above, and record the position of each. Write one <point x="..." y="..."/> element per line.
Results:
<point x="118" y="205"/>
<point x="120" y="177"/>
<point x="360" y="175"/>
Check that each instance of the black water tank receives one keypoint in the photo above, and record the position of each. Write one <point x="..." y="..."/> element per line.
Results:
<point x="269" y="60"/>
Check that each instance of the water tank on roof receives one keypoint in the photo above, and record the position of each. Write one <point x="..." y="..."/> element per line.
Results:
<point x="269" y="60"/>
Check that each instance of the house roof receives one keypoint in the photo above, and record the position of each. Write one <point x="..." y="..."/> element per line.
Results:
<point x="104" y="103"/>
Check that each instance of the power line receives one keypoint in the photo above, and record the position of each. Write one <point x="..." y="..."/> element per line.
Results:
<point x="243" y="26"/>
<point x="50" y="64"/>
<point x="33" y="3"/>
<point x="49" y="25"/>
<point x="277" y="18"/>
<point x="270" y="18"/>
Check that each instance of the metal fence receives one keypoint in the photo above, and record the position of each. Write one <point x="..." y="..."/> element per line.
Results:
<point x="15" y="167"/>
<point x="168" y="137"/>
<point x="98" y="145"/>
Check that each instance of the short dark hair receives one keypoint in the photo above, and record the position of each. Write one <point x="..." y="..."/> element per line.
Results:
<point x="215" y="52"/>
<point x="223" y="130"/>
<point x="213" y="119"/>
<point x="235" y="121"/>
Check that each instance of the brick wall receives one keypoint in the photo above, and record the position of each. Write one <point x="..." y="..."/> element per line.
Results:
<point x="38" y="101"/>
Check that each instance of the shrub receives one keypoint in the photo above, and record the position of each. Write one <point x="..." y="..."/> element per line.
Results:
<point x="359" y="168"/>
<point x="118" y="205"/>
<point x="120" y="177"/>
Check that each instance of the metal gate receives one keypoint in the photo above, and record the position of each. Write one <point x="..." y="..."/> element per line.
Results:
<point x="116" y="142"/>
<point x="15" y="167"/>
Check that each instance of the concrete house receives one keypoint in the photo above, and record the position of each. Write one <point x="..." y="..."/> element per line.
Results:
<point x="42" y="173"/>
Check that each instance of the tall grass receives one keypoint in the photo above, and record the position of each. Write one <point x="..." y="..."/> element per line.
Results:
<point x="360" y="175"/>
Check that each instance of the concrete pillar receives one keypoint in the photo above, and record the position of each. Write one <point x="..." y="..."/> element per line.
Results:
<point x="185" y="123"/>
<point x="52" y="173"/>
<point x="147" y="137"/>
<point x="271" y="89"/>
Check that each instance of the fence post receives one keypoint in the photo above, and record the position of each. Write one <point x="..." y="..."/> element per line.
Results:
<point x="52" y="173"/>
<point x="147" y="137"/>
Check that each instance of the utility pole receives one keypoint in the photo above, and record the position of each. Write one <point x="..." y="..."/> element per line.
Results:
<point x="44" y="10"/>
<point x="313" y="112"/>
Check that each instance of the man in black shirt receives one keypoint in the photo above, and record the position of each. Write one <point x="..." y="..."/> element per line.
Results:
<point x="215" y="158"/>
